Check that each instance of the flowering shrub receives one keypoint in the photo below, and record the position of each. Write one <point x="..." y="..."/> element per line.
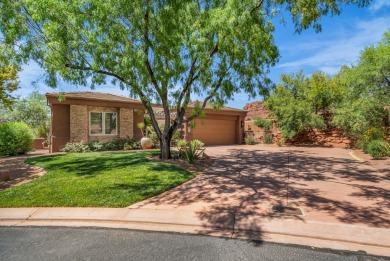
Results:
<point x="75" y="147"/>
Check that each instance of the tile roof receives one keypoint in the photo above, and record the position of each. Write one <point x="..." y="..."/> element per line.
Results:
<point x="209" y="106"/>
<point x="93" y="96"/>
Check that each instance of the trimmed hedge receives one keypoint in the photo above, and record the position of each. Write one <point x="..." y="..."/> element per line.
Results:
<point x="15" y="138"/>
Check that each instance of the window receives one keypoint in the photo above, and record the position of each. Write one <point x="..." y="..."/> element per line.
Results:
<point x="102" y="123"/>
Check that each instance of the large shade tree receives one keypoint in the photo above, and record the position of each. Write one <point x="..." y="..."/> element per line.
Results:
<point x="163" y="50"/>
<point x="367" y="85"/>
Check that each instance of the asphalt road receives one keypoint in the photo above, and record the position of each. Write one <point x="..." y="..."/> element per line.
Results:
<point x="55" y="243"/>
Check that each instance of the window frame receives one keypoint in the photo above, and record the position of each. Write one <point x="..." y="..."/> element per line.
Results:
<point x="103" y="124"/>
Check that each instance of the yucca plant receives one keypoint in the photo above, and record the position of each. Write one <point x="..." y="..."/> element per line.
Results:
<point x="193" y="151"/>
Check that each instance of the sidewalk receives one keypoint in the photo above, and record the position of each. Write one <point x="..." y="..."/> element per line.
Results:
<point x="232" y="225"/>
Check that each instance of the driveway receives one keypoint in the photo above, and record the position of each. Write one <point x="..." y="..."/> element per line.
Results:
<point x="329" y="185"/>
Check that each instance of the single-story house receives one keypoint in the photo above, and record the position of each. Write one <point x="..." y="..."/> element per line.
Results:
<point x="87" y="116"/>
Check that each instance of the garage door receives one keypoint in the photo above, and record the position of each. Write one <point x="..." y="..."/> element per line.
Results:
<point x="215" y="132"/>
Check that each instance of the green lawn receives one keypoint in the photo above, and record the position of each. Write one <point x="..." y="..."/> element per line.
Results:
<point x="100" y="179"/>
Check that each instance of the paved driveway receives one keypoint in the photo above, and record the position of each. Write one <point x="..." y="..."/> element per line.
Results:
<point x="327" y="183"/>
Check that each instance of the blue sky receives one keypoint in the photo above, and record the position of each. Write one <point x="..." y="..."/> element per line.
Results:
<point x="342" y="39"/>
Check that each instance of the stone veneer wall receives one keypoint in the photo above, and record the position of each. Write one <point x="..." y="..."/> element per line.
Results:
<point x="103" y="137"/>
<point x="126" y="122"/>
<point x="78" y="123"/>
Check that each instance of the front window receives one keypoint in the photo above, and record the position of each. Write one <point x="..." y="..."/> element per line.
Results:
<point x="102" y="123"/>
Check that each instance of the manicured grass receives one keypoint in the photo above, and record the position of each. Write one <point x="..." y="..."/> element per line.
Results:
<point x="98" y="179"/>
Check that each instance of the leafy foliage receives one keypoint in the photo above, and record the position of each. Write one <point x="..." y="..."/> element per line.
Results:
<point x="15" y="138"/>
<point x="33" y="111"/>
<point x="145" y="126"/>
<point x="250" y="140"/>
<point x="75" y="147"/>
<point x="221" y="47"/>
<point x="377" y="149"/>
<point x="181" y="143"/>
<point x="353" y="100"/>
<point x="192" y="151"/>
<point x="8" y="84"/>
<point x="114" y="144"/>
<point x="367" y="91"/>
<point x="262" y="123"/>
<point x="267" y="138"/>
<point x="298" y="99"/>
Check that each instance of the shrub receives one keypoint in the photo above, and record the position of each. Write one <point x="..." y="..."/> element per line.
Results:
<point x="115" y="144"/>
<point x="132" y="145"/>
<point x="250" y="140"/>
<point x="377" y="149"/>
<point x="181" y="143"/>
<point x="262" y="123"/>
<point x="15" y="138"/>
<point x="385" y="146"/>
<point x="268" y="139"/>
<point x="197" y="143"/>
<point x="75" y="147"/>
<point x="42" y="131"/>
<point x="96" y="145"/>
<point x="279" y="143"/>
<point x="193" y="151"/>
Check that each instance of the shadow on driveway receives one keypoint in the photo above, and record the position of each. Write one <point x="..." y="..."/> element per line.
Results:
<point x="245" y="181"/>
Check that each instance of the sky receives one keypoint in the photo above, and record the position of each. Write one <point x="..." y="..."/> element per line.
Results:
<point x="339" y="43"/>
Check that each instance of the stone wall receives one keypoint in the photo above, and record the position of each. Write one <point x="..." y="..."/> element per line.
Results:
<point x="328" y="138"/>
<point x="78" y="123"/>
<point x="126" y="122"/>
<point x="331" y="137"/>
<point x="257" y="132"/>
<point x="103" y="137"/>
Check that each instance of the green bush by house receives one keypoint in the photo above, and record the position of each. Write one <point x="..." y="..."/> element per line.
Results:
<point x="15" y="138"/>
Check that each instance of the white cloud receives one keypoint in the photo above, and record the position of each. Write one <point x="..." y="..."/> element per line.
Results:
<point x="343" y="50"/>
<point x="379" y="4"/>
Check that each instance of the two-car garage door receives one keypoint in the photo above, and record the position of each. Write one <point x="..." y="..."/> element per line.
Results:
<point x="216" y="131"/>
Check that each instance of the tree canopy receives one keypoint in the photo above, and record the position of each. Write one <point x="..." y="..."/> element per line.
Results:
<point x="31" y="110"/>
<point x="367" y="86"/>
<point x="8" y="84"/>
<point x="354" y="99"/>
<point x="163" y="50"/>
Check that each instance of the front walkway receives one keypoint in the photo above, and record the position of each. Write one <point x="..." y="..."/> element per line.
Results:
<point x="21" y="172"/>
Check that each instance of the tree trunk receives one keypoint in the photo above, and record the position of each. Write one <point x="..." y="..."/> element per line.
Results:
<point x="165" y="147"/>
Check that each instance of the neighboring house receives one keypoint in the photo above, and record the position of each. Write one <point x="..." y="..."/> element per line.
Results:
<point x="87" y="116"/>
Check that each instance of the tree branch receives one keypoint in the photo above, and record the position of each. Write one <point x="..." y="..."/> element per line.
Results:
<point x="257" y="6"/>
<point x="190" y="80"/>
<point x="211" y="94"/>
<point x="146" y="49"/>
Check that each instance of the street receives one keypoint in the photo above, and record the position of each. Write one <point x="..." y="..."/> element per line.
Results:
<point x="58" y="243"/>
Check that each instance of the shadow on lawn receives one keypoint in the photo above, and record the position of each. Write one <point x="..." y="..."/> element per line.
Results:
<point x="245" y="183"/>
<point x="89" y="166"/>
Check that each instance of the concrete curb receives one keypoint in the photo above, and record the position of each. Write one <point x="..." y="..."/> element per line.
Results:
<point x="316" y="234"/>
